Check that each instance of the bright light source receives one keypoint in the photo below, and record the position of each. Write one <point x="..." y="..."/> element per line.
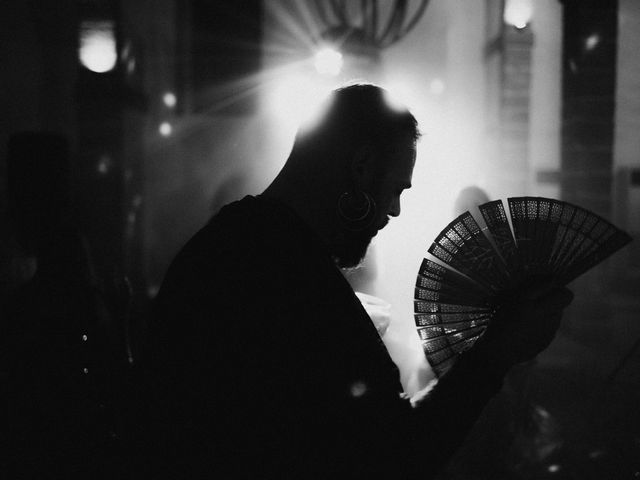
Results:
<point x="328" y="62"/>
<point x="518" y="13"/>
<point x="165" y="129"/>
<point x="98" y="46"/>
<point x="169" y="99"/>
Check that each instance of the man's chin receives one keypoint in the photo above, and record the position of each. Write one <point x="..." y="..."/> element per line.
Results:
<point x="352" y="256"/>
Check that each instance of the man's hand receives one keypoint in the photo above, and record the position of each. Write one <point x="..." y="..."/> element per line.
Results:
<point x="524" y="327"/>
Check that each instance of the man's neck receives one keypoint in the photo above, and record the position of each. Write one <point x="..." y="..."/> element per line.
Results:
<point x="306" y="200"/>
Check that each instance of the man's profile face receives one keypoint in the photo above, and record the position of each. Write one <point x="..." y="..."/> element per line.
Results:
<point x="393" y="173"/>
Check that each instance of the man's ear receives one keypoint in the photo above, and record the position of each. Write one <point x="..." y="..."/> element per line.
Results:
<point x="362" y="168"/>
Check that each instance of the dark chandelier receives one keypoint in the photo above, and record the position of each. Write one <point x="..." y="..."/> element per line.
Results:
<point x="363" y="27"/>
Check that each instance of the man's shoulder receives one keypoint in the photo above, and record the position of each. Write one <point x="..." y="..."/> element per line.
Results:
<point x="239" y="239"/>
<point x="234" y="227"/>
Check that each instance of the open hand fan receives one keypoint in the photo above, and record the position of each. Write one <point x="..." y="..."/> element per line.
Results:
<point x="551" y="239"/>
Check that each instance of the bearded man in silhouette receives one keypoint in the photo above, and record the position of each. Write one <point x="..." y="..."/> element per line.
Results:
<point x="267" y="365"/>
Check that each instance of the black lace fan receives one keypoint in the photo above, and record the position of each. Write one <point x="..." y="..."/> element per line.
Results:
<point x="455" y="302"/>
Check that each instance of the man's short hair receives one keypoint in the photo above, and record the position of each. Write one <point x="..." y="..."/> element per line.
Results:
<point x="355" y="116"/>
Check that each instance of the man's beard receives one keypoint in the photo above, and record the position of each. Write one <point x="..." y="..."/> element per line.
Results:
<point x="350" y="252"/>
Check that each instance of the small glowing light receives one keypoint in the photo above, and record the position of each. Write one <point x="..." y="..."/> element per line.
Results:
<point x="328" y="62"/>
<point x="358" y="389"/>
<point x="131" y="65"/>
<point x="596" y="454"/>
<point x="592" y="41"/>
<point x="544" y="413"/>
<point x="98" y="46"/>
<point x="126" y="50"/>
<point x="165" y="129"/>
<point x="104" y="164"/>
<point x="169" y="99"/>
<point x="84" y="338"/>
<point x="436" y="86"/>
<point x="573" y="66"/>
<point x="152" y="291"/>
<point x="553" y="468"/>
<point x="85" y="370"/>
<point x="518" y="13"/>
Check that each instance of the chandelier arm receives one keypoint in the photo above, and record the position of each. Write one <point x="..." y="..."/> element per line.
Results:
<point x="374" y="18"/>
<point x="344" y="8"/>
<point x="374" y="30"/>
<point x="366" y="22"/>
<point x="339" y="12"/>
<point x="398" y="29"/>
<point x="380" y="41"/>
<point x="416" y="17"/>
<point x="322" y="13"/>
<point x="395" y="24"/>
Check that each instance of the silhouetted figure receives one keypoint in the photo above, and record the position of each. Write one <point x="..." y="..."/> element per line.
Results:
<point x="58" y="358"/>
<point x="267" y="365"/>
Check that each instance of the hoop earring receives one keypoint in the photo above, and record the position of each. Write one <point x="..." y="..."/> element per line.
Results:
<point x="356" y="210"/>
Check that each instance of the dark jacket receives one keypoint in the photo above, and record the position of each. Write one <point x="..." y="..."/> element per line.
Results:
<point x="267" y="366"/>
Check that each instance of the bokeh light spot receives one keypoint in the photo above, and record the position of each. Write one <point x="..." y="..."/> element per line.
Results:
<point x="169" y="99"/>
<point x="358" y="389"/>
<point x="165" y="129"/>
<point x="98" y="46"/>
